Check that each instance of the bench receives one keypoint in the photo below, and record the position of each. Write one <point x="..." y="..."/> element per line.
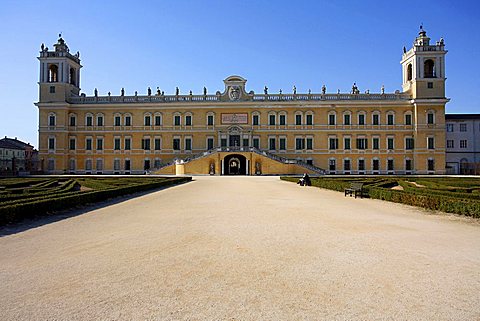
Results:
<point x="356" y="188"/>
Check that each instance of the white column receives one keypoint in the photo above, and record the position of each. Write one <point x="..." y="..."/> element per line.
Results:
<point x="222" y="168"/>
<point x="248" y="167"/>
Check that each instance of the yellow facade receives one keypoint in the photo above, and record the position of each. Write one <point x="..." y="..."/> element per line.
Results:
<point x="333" y="133"/>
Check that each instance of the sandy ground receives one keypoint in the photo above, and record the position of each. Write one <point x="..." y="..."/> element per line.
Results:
<point x="243" y="248"/>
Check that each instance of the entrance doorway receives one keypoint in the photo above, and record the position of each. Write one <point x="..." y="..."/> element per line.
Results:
<point x="234" y="141"/>
<point x="235" y="165"/>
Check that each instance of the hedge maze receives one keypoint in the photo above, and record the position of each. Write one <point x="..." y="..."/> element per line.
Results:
<point x="446" y="194"/>
<point x="28" y="197"/>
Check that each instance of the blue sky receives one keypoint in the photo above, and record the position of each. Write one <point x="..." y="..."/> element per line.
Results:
<point x="191" y="44"/>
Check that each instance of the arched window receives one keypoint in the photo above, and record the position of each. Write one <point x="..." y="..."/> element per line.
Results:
<point x="428" y="68"/>
<point x="73" y="76"/>
<point x="409" y="72"/>
<point x="53" y="73"/>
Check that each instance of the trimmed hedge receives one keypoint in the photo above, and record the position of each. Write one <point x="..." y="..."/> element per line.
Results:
<point x="439" y="194"/>
<point x="30" y="208"/>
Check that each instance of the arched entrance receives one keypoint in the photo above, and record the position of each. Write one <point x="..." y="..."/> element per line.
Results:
<point x="235" y="165"/>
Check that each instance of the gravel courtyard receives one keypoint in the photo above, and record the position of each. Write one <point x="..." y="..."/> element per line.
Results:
<point x="244" y="248"/>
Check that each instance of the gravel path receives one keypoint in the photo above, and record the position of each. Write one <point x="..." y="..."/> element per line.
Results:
<point x="244" y="248"/>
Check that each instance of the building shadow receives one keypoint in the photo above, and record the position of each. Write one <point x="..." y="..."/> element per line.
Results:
<point x="47" y="218"/>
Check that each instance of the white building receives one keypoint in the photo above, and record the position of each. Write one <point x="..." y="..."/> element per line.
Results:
<point x="463" y="143"/>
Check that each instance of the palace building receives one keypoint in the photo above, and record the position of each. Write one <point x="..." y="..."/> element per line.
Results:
<point x="238" y="131"/>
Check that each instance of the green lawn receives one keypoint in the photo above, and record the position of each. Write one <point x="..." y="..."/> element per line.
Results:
<point x="27" y="197"/>
<point x="446" y="194"/>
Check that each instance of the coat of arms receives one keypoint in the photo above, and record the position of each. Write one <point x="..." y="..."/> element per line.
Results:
<point x="234" y="93"/>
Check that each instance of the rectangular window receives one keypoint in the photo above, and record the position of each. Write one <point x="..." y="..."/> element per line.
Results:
<point x="346" y="143"/>
<point x="362" y="143"/>
<point x="376" y="143"/>
<point x="361" y="164"/>
<point x="283" y="120"/>
<point x="299" y="143"/>
<point x="331" y="119"/>
<point x="176" y="144"/>
<point x="331" y="165"/>
<point x="188" y="144"/>
<point x="158" y="120"/>
<point x="409" y="144"/>
<point x="99" y="164"/>
<point x="210" y="120"/>
<point x="309" y="143"/>
<point x="51" y="143"/>
<point x="223" y="142"/>
<point x="449" y="128"/>
<point x="72" y="143"/>
<point x="390" y="164"/>
<point x="128" y="143"/>
<point x="73" y="121"/>
<point x="255" y="120"/>
<point x="271" y="144"/>
<point x="271" y="120"/>
<point x="210" y="143"/>
<point x="389" y="119"/>
<point x="390" y="143"/>
<point x="430" y="118"/>
<point x="51" y="121"/>
<point x="463" y="127"/>
<point x="157" y="144"/>
<point x="361" y="119"/>
<point x="346" y="119"/>
<point x="127" y="164"/>
<point x="147" y="121"/>
<point x="89" y="120"/>
<point x="146" y="144"/>
<point x="128" y="121"/>
<point x="188" y="120"/>
<point x="431" y="165"/>
<point x="346" y="164"/>
<point x="309" y="119"/>
<point x="408" y="164"/>
<point x="256" y="142"/>
<point x="463" y="143"/>
<point x="146" y="164"/>
<point x="117" y="120"/>
<point x="157" y="163"/>
<point x="52" y="89"/>
<point x="408" y="119"/>
<point x="429" y="85"/>
<point x="99" y="120"/>
<point x="116" y="144"/>
<point x="431" y="143"/>
<point x="176" y="120"/>
<point x="376" y="119"/>
<point x="245" y="142"/>
<point x="116" y="165"/>
<point x="450" y="143"/>
<point x="88" y="165"/>
<point x="283" y="143"/>
<point x="333" y="143"/>
<point x="298" y="119"/>
<point x="376" y="165"/>
<point x="99" y="143"/>
<point x="88" y="144"/>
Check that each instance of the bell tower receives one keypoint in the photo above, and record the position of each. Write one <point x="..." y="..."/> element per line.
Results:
<point x="423" y="68"/>
<point x="59" y="73"/>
